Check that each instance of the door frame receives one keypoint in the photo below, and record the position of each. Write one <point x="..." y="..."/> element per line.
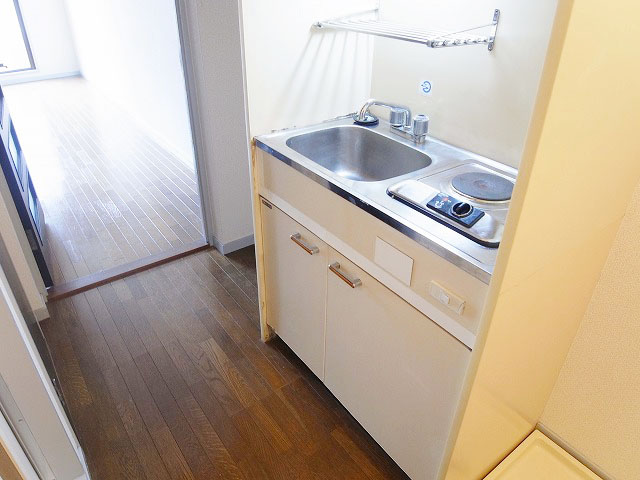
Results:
<point x="29" y="399"/>
<point x="206" y="146"/>
<point x="189" y="73"/>
<point x="14" y="449"/>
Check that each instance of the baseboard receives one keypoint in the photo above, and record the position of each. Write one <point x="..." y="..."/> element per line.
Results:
<point x="232" y="246"/>
<point x="573" y="451"/>
<point x="36" y="77"/>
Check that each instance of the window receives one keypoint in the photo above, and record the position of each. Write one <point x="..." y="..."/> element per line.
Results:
<point x="15" y="53"/>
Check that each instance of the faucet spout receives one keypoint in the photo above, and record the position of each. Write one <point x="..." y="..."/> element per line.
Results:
<point x="399" y="118"/>
<point x="399" y="115"/>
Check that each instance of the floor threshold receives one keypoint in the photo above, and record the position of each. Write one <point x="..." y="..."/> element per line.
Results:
<point x="82" y="284"/>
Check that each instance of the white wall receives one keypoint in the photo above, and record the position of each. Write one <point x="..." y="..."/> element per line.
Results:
<point x="216" y="79"/>
<point x="51" y="42"/>
<point x="480" y="101"/>
<point x="297" y="76"/>
<point x="131" y="51"/>
<point x="293" y="75"/>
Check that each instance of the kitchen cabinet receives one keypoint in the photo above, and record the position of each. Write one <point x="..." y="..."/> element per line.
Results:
<point x="295" y="263"/>
<point x="383" y="347"/>
<point x="397" y="372"/>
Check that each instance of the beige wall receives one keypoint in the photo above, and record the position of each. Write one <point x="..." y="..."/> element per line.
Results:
<point x="130" y="51"/>
<point x="595" y="404"/>
<point x="297" y="76"/>
<point x="550" y="261"/>
<point x="480" y="101"/>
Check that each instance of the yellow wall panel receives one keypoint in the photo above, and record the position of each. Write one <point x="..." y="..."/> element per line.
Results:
<point x="594" y="406"/>
<point x="578" y="173"/>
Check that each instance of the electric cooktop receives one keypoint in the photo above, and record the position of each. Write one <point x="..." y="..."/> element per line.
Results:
<point x="469" y="198"/>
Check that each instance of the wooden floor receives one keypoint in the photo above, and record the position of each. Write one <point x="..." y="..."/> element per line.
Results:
<point x="165" y="377"/>
<point x="110" y="193"/>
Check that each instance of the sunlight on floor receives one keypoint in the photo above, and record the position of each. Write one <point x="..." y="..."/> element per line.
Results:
<point x="111" y="193"/>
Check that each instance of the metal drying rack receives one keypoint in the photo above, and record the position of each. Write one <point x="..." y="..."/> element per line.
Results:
<point x="433" y="38"/>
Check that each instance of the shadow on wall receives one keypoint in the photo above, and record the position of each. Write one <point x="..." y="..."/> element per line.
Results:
<point x="298" y="75"/>
<point x="321" y="78"/>
<point x="330" y="77"/>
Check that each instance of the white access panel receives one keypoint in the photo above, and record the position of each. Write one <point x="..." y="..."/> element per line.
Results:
<point x="393" y="261"/>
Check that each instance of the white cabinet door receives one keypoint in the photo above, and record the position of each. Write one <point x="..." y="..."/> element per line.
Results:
<point x="295" y="263"/>
<point x="397" y="372"/>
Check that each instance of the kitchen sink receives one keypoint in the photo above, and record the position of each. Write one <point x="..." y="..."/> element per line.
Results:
<point x="362" y="164"/>
<point x="359" y="154"/>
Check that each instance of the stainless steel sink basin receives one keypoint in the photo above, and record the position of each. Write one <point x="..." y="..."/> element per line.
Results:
<point x="357" y="153"/>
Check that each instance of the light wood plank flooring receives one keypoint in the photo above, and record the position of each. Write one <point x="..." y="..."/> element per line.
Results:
<point x="110" y="193"/>
<point x="165" y="377"/>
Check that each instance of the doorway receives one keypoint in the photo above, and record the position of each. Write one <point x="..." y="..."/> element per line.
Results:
<point x="107" y="142"/>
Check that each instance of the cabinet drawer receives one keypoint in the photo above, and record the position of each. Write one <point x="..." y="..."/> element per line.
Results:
<point x="397" y="372"/>
<point x="295" y="264"/>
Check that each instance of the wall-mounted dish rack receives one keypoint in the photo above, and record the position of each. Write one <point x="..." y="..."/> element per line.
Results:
<point x="431" y="37"/>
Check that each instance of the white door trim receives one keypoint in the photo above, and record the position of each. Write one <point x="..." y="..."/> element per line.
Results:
<point x="189" y="73"/>
<point x="15" y="451"/>
<point x="30" y="388"/>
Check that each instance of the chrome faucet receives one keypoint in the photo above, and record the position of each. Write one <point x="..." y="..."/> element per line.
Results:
<point x="400" y="119"/>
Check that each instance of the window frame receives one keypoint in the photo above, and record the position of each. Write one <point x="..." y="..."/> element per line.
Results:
<point x="25" y="40"/>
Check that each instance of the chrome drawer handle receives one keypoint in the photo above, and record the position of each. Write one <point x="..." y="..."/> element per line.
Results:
<point x="352" y="282"/>
<point x="310" y="249"/>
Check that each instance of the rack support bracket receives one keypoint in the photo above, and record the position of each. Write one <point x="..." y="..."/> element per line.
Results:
<point x="494" y="29"/>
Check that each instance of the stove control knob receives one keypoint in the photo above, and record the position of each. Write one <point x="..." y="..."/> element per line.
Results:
<point x="461" y="209"/>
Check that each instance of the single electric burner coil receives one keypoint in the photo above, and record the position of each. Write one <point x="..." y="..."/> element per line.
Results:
<point x="481" y="186"/>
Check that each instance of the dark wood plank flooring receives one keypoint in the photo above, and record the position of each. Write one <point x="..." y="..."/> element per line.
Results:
<point x="165" y="377"/>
